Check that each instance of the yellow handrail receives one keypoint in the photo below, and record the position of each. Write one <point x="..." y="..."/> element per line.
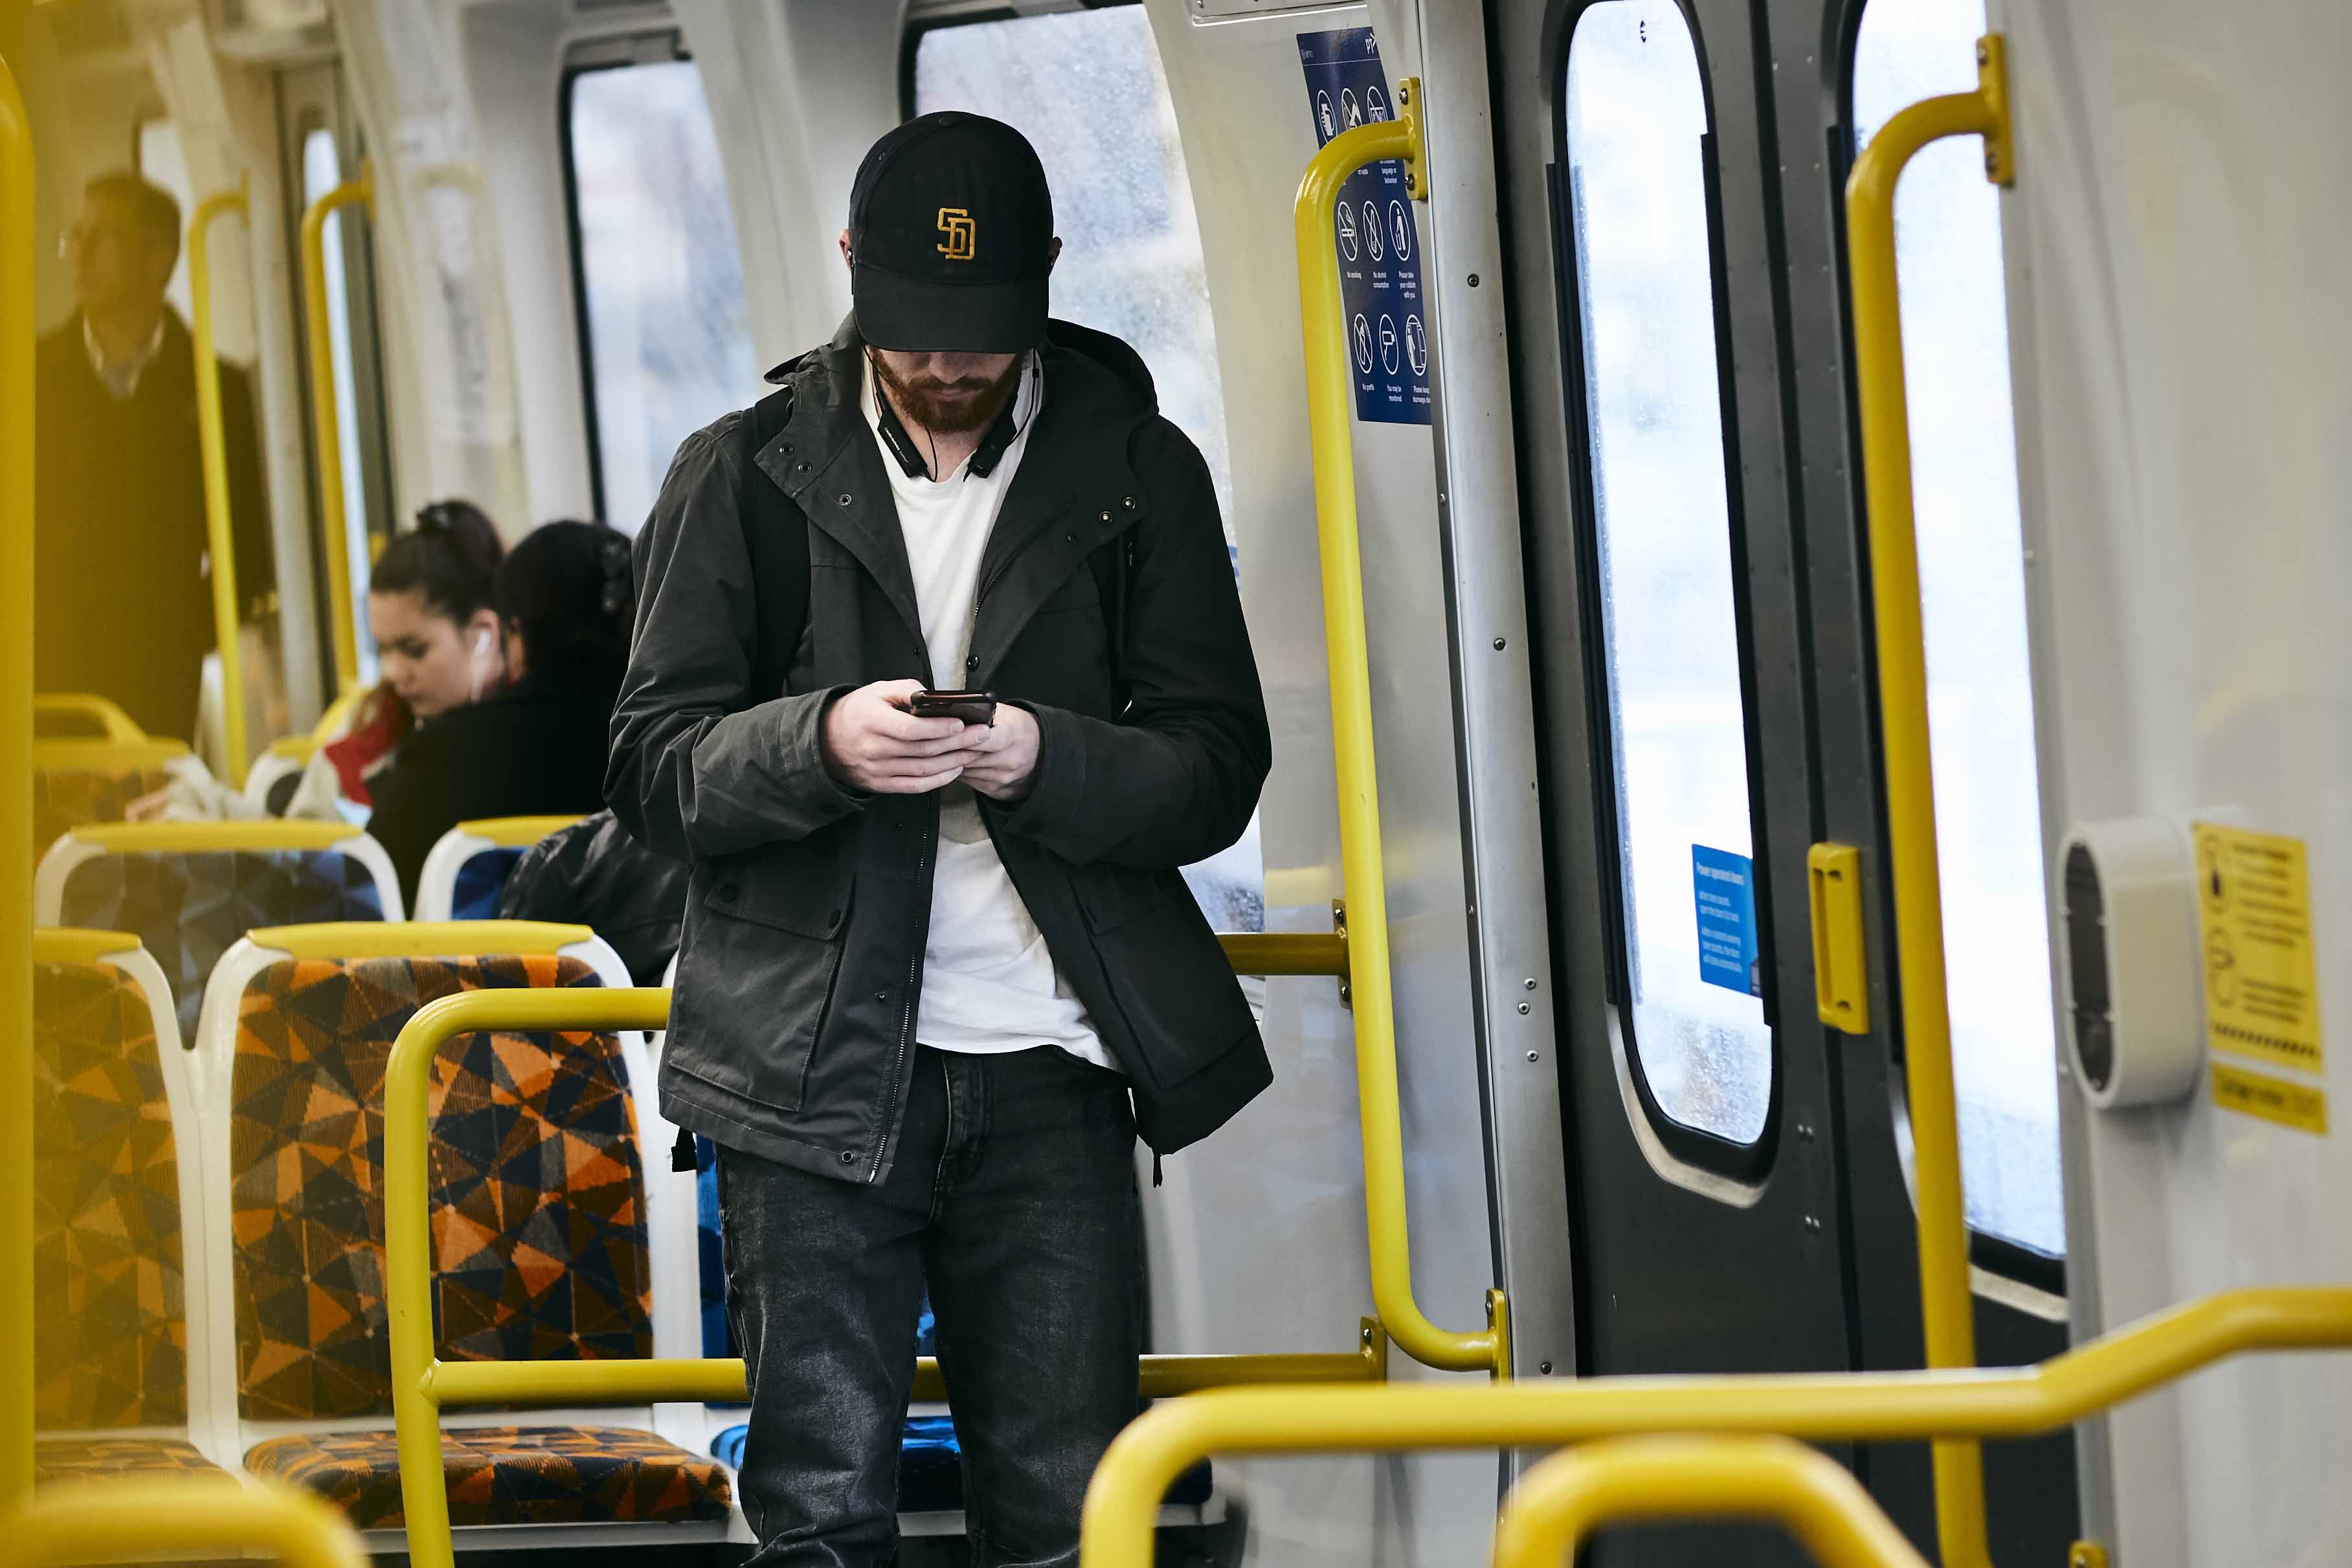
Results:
<point x="114" y="1522"/>
<point x="1331" y="439"/>
<point x="422" y="1385"/>
<point x="115" y="727"/>
<point x="17" y="1376"/>
<point x="1628" y="1480"/>
<point x="227" y="610"/>
<point x="1286" y="952"/>
<point x="326" y="428"/>
<point x="1909" y="1406"/>
<point x="1945" y="1297"/>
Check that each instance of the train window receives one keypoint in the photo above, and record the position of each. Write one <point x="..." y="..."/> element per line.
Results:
<point x="665" y="338"/>
<point x="156" y="143"/>
<point x="1972" y="592"/>
<point x="1086" y="88"/>
<point x="322" y="170"/>
<point x="1661" y="549"/>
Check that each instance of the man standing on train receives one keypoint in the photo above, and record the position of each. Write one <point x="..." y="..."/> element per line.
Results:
<point x="122" y="553"/>
<point x="938" y="965"/>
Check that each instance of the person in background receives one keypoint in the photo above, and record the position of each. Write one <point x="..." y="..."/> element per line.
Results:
<point x="564" y="604"/>
<point x="440" y="645"/>
<point x="122" y="555"/>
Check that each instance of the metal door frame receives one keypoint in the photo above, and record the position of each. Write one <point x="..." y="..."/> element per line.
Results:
<point x="313" y="97"/>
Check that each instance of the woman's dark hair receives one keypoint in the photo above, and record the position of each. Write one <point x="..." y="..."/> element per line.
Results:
<point x="450" y="557"/>
<point x="566" y="589"/>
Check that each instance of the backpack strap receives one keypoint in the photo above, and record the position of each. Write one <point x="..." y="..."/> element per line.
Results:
<point x="775" y="535"/>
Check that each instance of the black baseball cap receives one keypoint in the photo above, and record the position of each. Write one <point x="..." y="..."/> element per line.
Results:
<point x="950" y="236"/>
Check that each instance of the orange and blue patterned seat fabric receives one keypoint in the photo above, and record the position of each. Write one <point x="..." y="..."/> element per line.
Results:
<point x="187" y="908"/>
<point x="108" y="1295"/>
<point x="539" y="1231"/>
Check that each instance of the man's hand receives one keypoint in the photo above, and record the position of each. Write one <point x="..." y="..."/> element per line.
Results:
<point x="1006" y="765"/>
<point x="871" y="743"/>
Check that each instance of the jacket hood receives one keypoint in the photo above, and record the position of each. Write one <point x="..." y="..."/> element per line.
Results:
<point x="1093" y="369"/>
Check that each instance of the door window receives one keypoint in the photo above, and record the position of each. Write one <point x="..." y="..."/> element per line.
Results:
<point x="1660" y="553"/>
<point x="665" y="338"/>
<point x="1972" y="598"/>
<point x="322" y="170"/>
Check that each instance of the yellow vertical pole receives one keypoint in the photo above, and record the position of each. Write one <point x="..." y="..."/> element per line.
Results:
<point x="1945" y="1300"/>
<point x="326" y="429"/>
<point x="1331" y="436"/>
<point x="213" y="440"/>
<point x="17" y="1365"/>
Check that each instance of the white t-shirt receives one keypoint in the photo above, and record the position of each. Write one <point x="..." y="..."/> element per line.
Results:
<point x="989" y="983"/>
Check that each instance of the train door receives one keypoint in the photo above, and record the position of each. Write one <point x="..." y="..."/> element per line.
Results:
<point x="321" y="146"/>
<point x="1673" y="179"/>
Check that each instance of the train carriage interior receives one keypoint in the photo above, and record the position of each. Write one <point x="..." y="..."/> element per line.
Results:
<point x="1786" y="545"/>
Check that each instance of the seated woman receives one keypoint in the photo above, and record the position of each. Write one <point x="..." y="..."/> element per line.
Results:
<point x="439" y="644"/>
<point x="565" y="604"/>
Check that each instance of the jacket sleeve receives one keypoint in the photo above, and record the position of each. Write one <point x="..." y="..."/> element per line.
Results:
<point x="699" y="766"/>
<point x="1174" y="779"/>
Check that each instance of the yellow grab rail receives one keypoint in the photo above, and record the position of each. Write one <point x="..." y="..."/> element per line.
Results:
<point x="1628" y="1480"/>
<point x="1990" y="1402"/>
<point x="422" y="1384"/>
<point x="210" y="1516"/>
<point x="213" y="439"/>
<point x="1286" y="952"/>
<point x="1363" y="876"/>
<point x="1945" y="1297"/>
<point x="16" y="793"/>
<point x="115" y="727"/>
<point x="325" y="420"/>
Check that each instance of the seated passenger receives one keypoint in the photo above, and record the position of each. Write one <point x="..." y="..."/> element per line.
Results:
<point x="537" y="748"/>
<point x="438" y="641"/>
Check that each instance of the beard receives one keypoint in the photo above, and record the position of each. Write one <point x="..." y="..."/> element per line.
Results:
<point x="949" y="407"/>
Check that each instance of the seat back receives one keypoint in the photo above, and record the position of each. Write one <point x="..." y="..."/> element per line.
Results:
<point x="466" y="871"/>
<point x="79" y="783"/>
<point x="116" y="1274"/>
<point x="538" y="1183"/>
<point x="190" y="889"/>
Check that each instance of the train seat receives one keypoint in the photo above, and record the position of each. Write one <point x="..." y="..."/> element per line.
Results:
<point x="91" y="760"/>
<point x="189" y="889"/>
<point x="78" y="783"/>
<point x="546" y="1224"/>
<point x="117" y="1274"/>
<point x="469" y="867"/>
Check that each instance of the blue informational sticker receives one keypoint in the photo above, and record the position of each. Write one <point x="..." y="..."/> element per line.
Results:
<point x="1730" y="955"/>
<point x="1376" y="232"/>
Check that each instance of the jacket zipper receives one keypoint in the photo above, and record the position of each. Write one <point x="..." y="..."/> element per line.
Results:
<point x="906" y="1033"/>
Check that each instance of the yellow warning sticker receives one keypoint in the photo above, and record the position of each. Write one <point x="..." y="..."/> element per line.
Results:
<point x="2272" y="1099"/>
<point x="2253" y="923"/>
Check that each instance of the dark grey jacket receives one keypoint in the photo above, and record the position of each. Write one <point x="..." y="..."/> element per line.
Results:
<point x="792" y="1036"/>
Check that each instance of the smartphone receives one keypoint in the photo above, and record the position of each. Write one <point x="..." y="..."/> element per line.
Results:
<point x="972" y="707"/>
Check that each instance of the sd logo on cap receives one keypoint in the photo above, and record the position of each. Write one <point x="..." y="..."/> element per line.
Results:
<point x="921" y="277"/>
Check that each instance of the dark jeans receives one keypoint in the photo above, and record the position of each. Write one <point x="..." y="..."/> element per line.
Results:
<point x="1014" y="1194"/>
